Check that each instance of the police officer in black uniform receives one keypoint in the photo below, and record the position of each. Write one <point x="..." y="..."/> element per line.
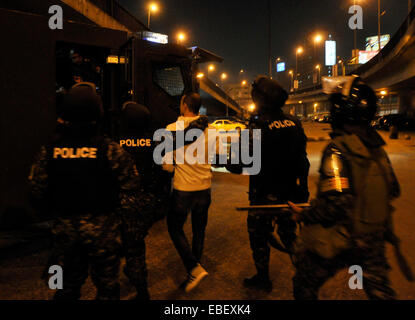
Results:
<point x="137" y="138"/>
<point x="86" y="180"/>
<point x="283" y="174"/>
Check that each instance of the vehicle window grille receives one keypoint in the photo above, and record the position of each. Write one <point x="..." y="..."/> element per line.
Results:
<point x="169" y="79"/>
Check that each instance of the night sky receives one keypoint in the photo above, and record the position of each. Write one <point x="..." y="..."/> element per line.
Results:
<point x="237" y="30"/>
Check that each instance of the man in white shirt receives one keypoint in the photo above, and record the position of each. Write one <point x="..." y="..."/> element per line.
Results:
<point x="191" y="189"/>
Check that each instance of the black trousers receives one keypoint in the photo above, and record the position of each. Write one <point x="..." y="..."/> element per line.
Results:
<point x="183" y="202"/>
<point x="260" y="228"/>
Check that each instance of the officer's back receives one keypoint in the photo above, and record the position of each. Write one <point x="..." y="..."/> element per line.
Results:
<point x="87" y="180"/>
<point x="283" y="147"/>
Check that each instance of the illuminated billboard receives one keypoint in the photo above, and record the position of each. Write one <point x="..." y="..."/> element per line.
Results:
<point x="372" y="43"/>
<point x="331" y="57"/>
<point x="365" y="56"/>
<point x="281" y="67"/>
<point x="154" y="37"/>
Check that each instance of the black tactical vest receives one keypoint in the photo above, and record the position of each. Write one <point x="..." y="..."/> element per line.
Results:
<point x="140" y="147"/>
<point x="283" y="159"/>
<point x="80" y="177"/>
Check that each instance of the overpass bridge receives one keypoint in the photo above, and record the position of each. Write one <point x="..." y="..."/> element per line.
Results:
<point x="221" y="96"/>
<point x="391" y="73"/>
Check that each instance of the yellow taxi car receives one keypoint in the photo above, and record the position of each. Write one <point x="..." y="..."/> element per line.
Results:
<point x="228" y="125"/>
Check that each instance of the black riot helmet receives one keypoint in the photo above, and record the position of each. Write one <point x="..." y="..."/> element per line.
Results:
<point x="135" y="118"/>
<point x="268" y="94"/>
<point x="81" y="105"/>
<point x="352" y="100"/>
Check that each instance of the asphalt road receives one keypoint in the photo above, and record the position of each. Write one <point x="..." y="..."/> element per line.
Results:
<point x="227" y="256"/>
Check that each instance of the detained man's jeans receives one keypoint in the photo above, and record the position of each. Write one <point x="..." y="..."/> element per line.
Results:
<point x="183" y="202"/>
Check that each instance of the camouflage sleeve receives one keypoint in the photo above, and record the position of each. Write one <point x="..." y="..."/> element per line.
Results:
<point x="335" y="198"/>
<point x="329" y="209"/>
<point x="38" y="176"/>
<point x="123" y="165"/>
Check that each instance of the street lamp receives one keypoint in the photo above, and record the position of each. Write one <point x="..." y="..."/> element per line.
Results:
<point x="317" y="39"/>
<point x="210" y="68"/>
<point x="355" y="36"/>
<point x="300" y="50"/>
<point x="342" y="65"/>
<point x="252" y="107"/>
<point x="379" y="14"/>
<point x="200" y="75"/>
<point x="223" y="77"/>
<point x="318" y="68"/>
<point x="243" y="83"/>
<point x="181" y="37"/>
<point x="291" y="73"/>
<point x="153" y="7"/>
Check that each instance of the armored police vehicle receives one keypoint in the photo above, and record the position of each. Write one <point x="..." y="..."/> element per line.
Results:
<point x="98" y="42"/>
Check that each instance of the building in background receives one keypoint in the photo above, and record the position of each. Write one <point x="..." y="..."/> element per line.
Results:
<point x="240" y="93"/>
<point x="311" y="64"/>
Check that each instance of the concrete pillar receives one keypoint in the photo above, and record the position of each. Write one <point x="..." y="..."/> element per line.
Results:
<point x="406" y="103"/>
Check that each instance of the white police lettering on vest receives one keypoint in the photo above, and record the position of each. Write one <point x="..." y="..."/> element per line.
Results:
<point x="281" y="124"/>
<point x="136" y="143"/>
<point x="75" y="153"/>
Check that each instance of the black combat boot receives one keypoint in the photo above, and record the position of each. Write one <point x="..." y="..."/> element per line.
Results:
<point x="259" y="282"/>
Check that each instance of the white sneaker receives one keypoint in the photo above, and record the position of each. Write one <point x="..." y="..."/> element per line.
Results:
<point x="194" y="277"/>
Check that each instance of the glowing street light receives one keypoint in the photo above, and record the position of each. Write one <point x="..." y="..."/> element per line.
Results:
<point x="341" y="62"/>
<point x="383" y="92"/>
<point x="252" y="107"/>
<point x="200" y="75"/>
<point x="291" y="73"/>
<point x="300" y="50"/>
<point x="210" y="68"/>
<point x="243" y="83"/>
<point x="153" y="7"/>
<point x="318" y="68"/>
<point x="318" y="38"/>
<point x="181" y="37"/>
<point x="223" y="77"/>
